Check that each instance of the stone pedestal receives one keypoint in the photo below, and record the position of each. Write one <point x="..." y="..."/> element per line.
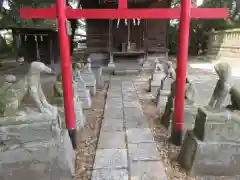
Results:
<point x="35" y="149"/>
<point x="147" y="66"/>
<point x="83" y="93"/>
<point x="97" y="71"/>
<point x="111" y="65"/>
<point x="190" y="110"/>
<point x="161" y="97"/>
<point x="213" y="147"/>
<point x="79" y="116"/>
<point x="90" y="81"/>
<point x="85" y="97"/>
<point x="156" y="82"/>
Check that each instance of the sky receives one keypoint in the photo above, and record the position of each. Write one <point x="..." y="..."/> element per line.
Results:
<point x="199" y="2"/>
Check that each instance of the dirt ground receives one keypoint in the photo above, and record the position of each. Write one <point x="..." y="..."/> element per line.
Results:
<point x="85" y="154"/>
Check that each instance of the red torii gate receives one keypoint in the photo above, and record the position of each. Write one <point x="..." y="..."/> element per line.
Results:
<point x="185" y="12"/>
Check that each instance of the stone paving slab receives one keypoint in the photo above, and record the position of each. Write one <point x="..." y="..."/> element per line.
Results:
<point x="112" y="140"/>
<point x="136" y="124"/>
<point x="135" y="117"/>
<point x="110" y="159"/>
<point x="143" y="152"/>
<point x="113" y="105"/>
<point x="139" y="135"/>
<point x="131" y="104"/>
<point x="112" y="125"/>
<point x="110" y="174"/>
<point x="113" y="115"/>
<point x="132" y="109"/>
<point x="147" y="170"/>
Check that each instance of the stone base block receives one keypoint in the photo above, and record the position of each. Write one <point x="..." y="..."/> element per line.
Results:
<point x="36" y="151"/>
<point x="107" y="70"/>
<point x="158" y="76"/>
<point x="85" y="97"/>
<point x="209" y="157"/>
<point x="155" y="85"/>
<point x="92" y="89"/>
<point x="111" y="65"/>
<point x="80" y="121"/>
<point x="86" y="103"/>
<point x="147" y="66"/>
<point x="98" y="75"/>
<point x="189" y="120"/>
<point x="126" y="72"/>
<point x="161" y="97"/>
<point x="190" y="112"/>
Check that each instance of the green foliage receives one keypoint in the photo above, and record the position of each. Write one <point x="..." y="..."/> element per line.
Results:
<point x="200" y="27"/>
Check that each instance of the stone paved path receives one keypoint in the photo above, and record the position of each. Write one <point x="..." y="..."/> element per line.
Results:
<point x="126" y="147"/>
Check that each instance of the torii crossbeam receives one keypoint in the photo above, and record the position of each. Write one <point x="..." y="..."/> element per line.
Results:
<point x="185" y="12"/>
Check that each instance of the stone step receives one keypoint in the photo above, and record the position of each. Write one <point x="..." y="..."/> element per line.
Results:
<point x="125" y="72"/>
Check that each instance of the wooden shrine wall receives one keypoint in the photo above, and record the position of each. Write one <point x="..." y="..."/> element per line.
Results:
<point x="97" y="35"/>
<point x="28" y="48"/>
<point x="155" y="33"/>
<point x="120" y="34"/>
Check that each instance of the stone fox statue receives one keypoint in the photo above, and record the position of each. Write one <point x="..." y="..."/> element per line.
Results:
<point x="223" y="85"/>
<point x="29" y="85"/>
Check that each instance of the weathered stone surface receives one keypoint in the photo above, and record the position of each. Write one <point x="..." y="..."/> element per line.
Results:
<point x="113" y="113"/>
<point x="110" y="174"/>
<point x="112" y="140"/>
<point x="90" y="81"/>
<point x="112" y="125"/>
<point x="190" y="111"/>
<point x="136" y="124"/>
<point x="131" y="104"/>
<point x="209" y="158"/>
<point x="147" y="170"/>
<point x="156" y="83"/>
<point x="110" y="159"/>
<point x="111" y="104"/>
<point x="86" y="99"/>
<point x="166" y="84"/>
<point x="212" y="147"/>
<point x="83" y="93"/>
<point x="139" y="135"/>
<point x="131" y="111"/>
<point x="36" y="151"/>
<point x="97" y="71"/>
<point x="161" y="97"/>
<point x="143" y="152"/>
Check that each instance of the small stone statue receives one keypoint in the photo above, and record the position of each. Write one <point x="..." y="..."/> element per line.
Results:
<point x="159" y="67"/>
<point x="190" y="92"/>
<point x="78" y="76"/>
<point x="87" y="67"/>
<point x="223" y="85"/>
<point x="235" y="99"/>
<point x="29" y="85"/>
<point x="171" y="72"/>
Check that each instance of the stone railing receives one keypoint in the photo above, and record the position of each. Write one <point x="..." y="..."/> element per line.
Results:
<point x="224" y="45"/>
